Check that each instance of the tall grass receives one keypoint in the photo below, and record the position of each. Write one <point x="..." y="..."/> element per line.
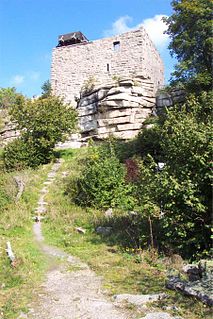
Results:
<point x="18" y="283"/>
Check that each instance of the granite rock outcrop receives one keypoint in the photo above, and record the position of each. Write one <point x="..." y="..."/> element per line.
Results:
<point x="116" y="109"/>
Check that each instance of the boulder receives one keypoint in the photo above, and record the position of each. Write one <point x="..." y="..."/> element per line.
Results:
<point x="101" y="230"/>
<point x="117" y="109"/>
<point x="101" y="94"/>
<point x="199" y="290"/>
<point x="193" y="271"/>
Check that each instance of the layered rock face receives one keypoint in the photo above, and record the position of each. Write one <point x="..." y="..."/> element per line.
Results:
<point x="8" y="134"/>
<point x="116" y="109"/>
<point x="8" y="131"/>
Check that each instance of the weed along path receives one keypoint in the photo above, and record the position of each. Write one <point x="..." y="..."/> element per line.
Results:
<point x="71" y="290"/>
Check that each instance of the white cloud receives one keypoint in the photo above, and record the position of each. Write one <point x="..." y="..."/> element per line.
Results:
<point x="155" y="27"/>
<point x="17" y="80"/>
<point x="119" y="26"/>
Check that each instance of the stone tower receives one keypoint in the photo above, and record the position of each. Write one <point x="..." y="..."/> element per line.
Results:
<point x="76" y="60"/>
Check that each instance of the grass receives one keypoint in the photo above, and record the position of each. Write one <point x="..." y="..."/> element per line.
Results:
<point x="122" y="271"/>
<point x="18" y="284"/>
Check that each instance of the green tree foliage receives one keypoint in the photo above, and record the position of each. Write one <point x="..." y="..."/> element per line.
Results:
<point x="102" y="184"/>
<point x="43" y="123"/>
<point x="182" y="190"/>
<point x="8" y="97"/>
<point x="46" y="89"/>
<point x="190" y="30"/>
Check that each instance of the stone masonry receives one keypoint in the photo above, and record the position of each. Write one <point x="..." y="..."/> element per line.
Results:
<point x="129" y="54"/>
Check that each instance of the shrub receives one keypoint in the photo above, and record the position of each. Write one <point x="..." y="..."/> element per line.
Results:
<point x="43" y="123"/>
<point x="183" y="189"/>
<point x="102" y="184"/>
<point x="22" y="153"/>
<point x="16" y="155"/>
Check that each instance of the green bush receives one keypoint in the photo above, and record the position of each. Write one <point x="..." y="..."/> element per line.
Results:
<point x="43" y="123"/>
<point x="102" y="184"/>
<point x="179" y="198"/>
<point x="22" y="153"/>
<point x="16" y="155"/>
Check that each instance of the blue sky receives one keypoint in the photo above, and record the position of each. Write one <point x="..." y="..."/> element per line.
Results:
<point x="29" y="30"/>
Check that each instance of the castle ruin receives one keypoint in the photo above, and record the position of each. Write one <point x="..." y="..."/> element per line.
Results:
<point x="112" y="81"/>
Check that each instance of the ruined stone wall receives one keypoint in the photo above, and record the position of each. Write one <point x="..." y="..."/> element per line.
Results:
<point x="169" y="99"/>
<point x="73" y="65"/>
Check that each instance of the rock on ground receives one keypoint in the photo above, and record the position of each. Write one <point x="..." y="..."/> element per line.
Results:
<point x="159" y="315"/>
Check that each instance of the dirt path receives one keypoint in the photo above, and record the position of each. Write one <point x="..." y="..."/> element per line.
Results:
<point x="71" y="290"/>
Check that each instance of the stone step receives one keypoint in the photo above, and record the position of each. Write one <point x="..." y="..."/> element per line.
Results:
<point x="41" y="210"/>
<point x="47" y="183"/>
<point x="42" y="202"/>
<point x="44" y="190"/>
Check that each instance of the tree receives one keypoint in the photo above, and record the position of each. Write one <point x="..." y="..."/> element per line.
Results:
<point x="190" y="30"/>
<point x="43" y="123"/>
<point x="183" y="188"/>
<point x="46" y="89"/>
<point x="7" y="97"/>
